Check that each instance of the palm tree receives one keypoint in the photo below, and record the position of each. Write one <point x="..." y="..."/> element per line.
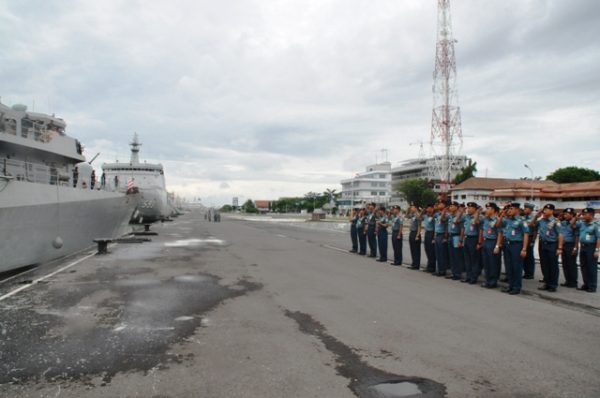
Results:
<point x="330" y="193"/>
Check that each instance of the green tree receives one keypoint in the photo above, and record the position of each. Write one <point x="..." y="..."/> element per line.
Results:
<point x="466" y="172"/>
<point x="417" y="191"/>
<point x="249" y="207"/>
<point x="226" y="209"/>
<point x="573" y="174"/>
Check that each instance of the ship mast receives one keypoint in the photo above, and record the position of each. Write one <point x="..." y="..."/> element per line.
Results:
<point x="135" y="149"/>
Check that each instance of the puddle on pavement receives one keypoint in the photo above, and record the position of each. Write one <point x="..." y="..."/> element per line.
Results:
<point x="136" y="282"/>
<point x="366" y="381"/>
<point x="397" y="389"/>
<point x="194" y="242"/>
<point x="190" y="278"/>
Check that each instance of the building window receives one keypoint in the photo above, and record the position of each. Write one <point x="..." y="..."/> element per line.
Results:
<point x="373" y="193"/>
<point x="373" y="184"/>
<point x="381" y="193"/>
<point x="463" y="196"/>
<point x="381" y="175"/>
<point x="475" y="197"/>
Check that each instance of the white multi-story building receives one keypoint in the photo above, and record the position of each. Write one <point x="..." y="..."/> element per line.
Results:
<point x="425" y="168"/>
<point x="421" y="168"/>
<point x="372" y="185"/>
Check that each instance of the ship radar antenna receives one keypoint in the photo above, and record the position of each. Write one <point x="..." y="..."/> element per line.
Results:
<point x="135" y="145"/>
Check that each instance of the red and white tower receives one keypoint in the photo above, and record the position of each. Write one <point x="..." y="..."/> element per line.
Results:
<point x="446" y="129"/>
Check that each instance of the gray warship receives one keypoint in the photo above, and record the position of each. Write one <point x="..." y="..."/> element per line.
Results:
<point x="50" y="203"/>
<point x="146" y="178"/>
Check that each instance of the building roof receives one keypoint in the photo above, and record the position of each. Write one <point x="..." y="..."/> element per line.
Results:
<point x="262" y="204"/>
<point x="502" y="187"/>
<point x="492" y="184"/>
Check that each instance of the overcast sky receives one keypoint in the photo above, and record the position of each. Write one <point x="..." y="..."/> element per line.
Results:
<point x="264" y="98"/>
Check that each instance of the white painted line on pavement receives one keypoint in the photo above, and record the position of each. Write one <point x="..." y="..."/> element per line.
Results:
<point x="281" y="236"/>
<point x="339" y="249"/>
<point x="19" y="289"/>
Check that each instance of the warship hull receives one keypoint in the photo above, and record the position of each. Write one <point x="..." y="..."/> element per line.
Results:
<point x="33" y="216"/>
<point x="152" y="206"/>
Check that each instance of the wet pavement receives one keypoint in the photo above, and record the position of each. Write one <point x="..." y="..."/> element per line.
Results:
<point x="245" y="308"/>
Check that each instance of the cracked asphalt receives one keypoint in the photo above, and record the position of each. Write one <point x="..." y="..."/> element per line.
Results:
<point x="258" y="309"/>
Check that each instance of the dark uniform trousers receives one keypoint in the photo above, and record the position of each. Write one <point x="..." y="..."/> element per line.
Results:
<point x="441" y="253"/>
<point x="456" y="258"/>
<point x="549" y="261"/>
<point x="354" y="237"/>
<point x="382" y="240"/>
<point x="529" y="262"/>
<point x="430" y="251"/>
<point x="397" y="247"/>
<point x="415" y="249"/>
<point x="589" y="265"/>
<point x="372" y="239"/>
<point x="491" y="262"/>
<point x="569" y="264"/>
<point x="472" y="263"/>
<point x="362" y="241"/>
<point x="514" y="266"/>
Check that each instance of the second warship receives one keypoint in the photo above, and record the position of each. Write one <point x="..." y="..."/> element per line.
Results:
<point x="147" y="178"/>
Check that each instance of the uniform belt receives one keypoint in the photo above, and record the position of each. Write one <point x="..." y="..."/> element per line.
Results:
<point x="472" y="236"/>
<point x="453" y="234"/>
<point x="547" y="242"/>
<point x="513" y="242"/>
<point x="490" y="238"/>
<point x="587" y="244"/>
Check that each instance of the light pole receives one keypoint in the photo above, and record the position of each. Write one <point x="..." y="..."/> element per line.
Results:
<point x="531" y="190"/>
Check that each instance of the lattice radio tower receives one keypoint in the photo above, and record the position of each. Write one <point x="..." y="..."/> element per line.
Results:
<point x="446" y="129"/>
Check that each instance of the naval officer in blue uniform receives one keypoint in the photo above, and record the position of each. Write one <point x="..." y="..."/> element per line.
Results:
<point x="470" y="237"/>
<point x="371" y="236"/>
<point x="354" y="230"/>
<point x="397" y="222"/>
<point x="549" y="230"/>
<point x="414" y="236"/>
<point x="455" y="249"/>
<point x="589" y="248"/>
<point x="381" y="226"/>
<point x="529" y="262"/>
<point x="490" y="237"/>
<point x="428" y="224"/>
<point x="441" y="239"/>
<point x="570" y="235"/>
<point x="516" y="238"/>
